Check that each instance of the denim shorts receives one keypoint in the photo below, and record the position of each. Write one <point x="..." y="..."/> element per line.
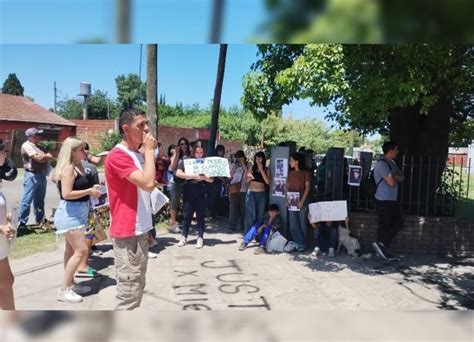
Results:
<point x="71" y="216"/>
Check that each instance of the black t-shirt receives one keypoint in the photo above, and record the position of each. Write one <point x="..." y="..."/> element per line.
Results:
<point x="187" y="181"/>
<point x="80" y="183"/>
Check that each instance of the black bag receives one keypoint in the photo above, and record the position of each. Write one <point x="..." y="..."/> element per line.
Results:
<point x="372" y="186"/>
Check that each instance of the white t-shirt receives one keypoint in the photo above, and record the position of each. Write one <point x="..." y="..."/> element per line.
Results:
<point x="4" y="244"/>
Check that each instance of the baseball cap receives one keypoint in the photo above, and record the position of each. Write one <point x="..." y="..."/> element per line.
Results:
<point x="33" y="131"/>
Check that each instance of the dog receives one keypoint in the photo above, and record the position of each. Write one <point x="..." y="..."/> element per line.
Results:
<point x="350" y="243"/>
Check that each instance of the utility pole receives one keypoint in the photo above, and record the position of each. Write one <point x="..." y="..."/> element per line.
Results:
<point x="216" y="21"/>
<point x="152" y="86"/>
<point x="55" y="97"/>
<point x="123" y="21"/>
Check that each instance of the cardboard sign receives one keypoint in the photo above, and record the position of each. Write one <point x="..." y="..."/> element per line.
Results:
<point x="158" y="200"/>
<point x="211" y="167"/>
<point x="328" y="211"/>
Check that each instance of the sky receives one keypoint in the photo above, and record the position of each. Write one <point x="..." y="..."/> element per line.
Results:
<point x="164" y="21"/>
<point x="186" y="72"/>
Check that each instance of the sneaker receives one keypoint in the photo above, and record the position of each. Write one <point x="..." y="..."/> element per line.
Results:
<point x="331" y="253"/>
<point x="200" y="243"/>
<point x="259" y="250"/>
<point x="379" y="249"/>
<point x="316" y="252"/>
<point x="96" y="251"/>
<point x="89" y="273"/>
<point x="80" y="289"/>
<point x="174" y="229"/>
<point x="182" y="242"/>
<point x="242" y="246"/>
<point x="152" y="255"/>
<point x="68" y="295"/>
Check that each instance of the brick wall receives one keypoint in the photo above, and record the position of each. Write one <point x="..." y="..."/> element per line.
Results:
<point x="433" y="235"/>
<point x="90" y="130"/>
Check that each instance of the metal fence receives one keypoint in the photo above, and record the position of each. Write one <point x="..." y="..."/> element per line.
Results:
<point x="433" y="186"/>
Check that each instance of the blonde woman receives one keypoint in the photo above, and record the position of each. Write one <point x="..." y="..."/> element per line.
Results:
<point x="70" y="219"/>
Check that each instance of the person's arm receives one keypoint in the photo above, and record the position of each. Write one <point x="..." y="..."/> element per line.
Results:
<point x="314" y="225"/>
<point x="307" y="186"/>
<point x="249" y="177"/>
<point x="67" y="182"/>
<point x="262" y="170"/>
<point x="37" y="155"/>
<point x="145" y="179"/>
<point x="7" y="230"/>
<point x="174" y="160"/>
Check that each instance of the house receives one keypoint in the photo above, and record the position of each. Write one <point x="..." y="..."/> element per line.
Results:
<point x="18" y="113"/>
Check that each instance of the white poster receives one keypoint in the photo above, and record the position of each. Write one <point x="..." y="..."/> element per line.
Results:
<point x="355" y="175"/>
<point x="293" y="198"/>
<point x="328" y="211"/>
<point x="281" y="167"/>
<point x="102" y="201"/>
<point x="158" y="200"/>
<point x="211" y="167"/>
<point x="279" y="187"/>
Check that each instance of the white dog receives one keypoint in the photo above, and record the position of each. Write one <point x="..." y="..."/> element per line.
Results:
<point x="350" y="243"/>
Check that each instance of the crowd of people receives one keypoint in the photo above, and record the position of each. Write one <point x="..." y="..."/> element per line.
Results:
<point x="133" y="169"/>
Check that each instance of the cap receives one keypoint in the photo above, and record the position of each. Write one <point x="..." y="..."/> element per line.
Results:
<point x="33" y="131"/>
<point x="239" y="154"/>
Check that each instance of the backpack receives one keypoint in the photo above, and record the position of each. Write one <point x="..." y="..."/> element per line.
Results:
<point x="372" y="186"/>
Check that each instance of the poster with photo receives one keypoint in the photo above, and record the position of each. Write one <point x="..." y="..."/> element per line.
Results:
<point x="281" y="167"/>
<point x="355" y="175"/>
<point x="293" y="198"/>
<point x="101" y="201"/>
<point x="279" y="187"/>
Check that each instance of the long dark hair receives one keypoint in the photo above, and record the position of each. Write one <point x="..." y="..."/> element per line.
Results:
<point x="188" y="150"/>
<point x="264" y="161"/>
<point x="299" y="158"/>
<point x="198" y="144"/>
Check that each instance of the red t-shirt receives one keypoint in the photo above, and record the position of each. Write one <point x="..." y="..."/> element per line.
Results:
<point x="123" y="195"/>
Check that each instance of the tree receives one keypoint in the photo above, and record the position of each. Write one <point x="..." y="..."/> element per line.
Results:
<point x="131" y="91"/>
<point x="151" y="89"/>
<point x="100" y="106"/>
<point x="410" y="91"/>
<point x="70" y="109"/>
<point x="216" y="102"/>
<point x="12" y="86"/>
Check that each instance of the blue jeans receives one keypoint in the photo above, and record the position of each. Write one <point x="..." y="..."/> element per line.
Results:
<point x="326" y="237"/>
<point x="34" y="190"/>
<point x="255" y="203"/>
<point x="298" y="225"/>
<point x="252" y="233"/>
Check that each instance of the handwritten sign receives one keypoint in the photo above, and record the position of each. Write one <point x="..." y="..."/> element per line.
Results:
<point x="328" y="211"/>
<point x="211" y="167"/>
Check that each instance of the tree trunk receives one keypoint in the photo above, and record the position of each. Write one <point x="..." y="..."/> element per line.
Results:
<point x="423" y="145"/>
<point x="216" y="23"/>
<point x="151" y="86"/>
<point x="216" y="103"/>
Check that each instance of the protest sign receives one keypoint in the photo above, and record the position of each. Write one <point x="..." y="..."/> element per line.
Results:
<point x="211" y="167"/>
<point x="328" y="211"/>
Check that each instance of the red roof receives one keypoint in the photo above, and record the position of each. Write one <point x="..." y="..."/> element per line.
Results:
<point x="19" y="108"/>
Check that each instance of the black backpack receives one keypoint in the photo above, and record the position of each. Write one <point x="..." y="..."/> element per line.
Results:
<point x="372" y="186"/>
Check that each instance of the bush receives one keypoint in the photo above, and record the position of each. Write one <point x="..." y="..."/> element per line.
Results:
<point x="108" y="140"/>
<point x="48" y="145"/>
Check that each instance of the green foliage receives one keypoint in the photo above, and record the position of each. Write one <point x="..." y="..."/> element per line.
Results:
<point x="12" y="86"/>
<point x="101" y="107"/>
<point x="107" y="141"/>
<point x="70" y="109"/>
<point x="462" y="133"/>
<point x="48" y="145"/>
<point x="131" y="91"/>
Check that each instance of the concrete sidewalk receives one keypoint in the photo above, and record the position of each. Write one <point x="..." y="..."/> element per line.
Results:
<point x="219" y="277"/>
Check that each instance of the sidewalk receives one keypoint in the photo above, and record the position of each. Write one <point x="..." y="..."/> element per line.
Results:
<point x="219" y="277"/>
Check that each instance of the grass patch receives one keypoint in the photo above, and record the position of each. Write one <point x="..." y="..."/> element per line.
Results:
<point x="33" y="242"/>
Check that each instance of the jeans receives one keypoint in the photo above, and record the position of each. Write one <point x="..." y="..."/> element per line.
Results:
<point x="252" y="234"/>
<point x="34" y="190"/>
<point x="237" y="211"/>
<point x="195" y="199"/>
<point x="390" y="221"/>
<point x="326" y="237"/>
<point x="298" y="225"/>
<point x="255" y="203"/>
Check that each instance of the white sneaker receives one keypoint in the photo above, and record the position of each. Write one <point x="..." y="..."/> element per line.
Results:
<point x="200" y="243"/>
<point x="80" y="289"/>
<point x="315" y="252"/>
<point x="174" y="229"/>
<point x="331" y="253"/>
<point x="182" y="242"/>
<point x="68" y="295"/>
<point x="152" y="255"/>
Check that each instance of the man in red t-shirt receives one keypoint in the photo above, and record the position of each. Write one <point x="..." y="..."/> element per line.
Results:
<point x="130" y="179"/>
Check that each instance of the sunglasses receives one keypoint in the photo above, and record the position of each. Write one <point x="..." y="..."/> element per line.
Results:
<point x="184" y="144"/>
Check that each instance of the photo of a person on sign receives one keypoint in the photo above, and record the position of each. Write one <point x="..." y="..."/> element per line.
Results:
<point x="355" y="175"/>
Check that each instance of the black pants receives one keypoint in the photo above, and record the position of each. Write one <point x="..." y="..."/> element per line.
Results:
<point x="390" y="221"/>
